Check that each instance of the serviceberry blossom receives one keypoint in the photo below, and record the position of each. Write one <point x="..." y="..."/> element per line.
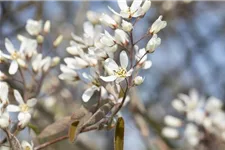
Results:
<point x="34" y="27"/>
<point x="24" y="109"/>
<point x="202" y="117"/>
<point x="157" y="25"/>
<point x="118" y="73"/>
<point x="153" y="43"/>
<point x="17" y="57"/>
<point x="135" y="10"/>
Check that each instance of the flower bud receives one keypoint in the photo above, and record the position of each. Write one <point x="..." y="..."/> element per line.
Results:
<point x="40" y="39"/>
<point x="108" y="21"/>
<point x="4" y="120"/>
<point x="121" y="37"/>
<point x="126" y="26"/>
<point x="153" y="43"/>
<point x="145" y="7"/>
<point x="172" y="121"/>
<point x="58" y="41"/>
<point x="93" y="17"/>
<point x="138" y="80"/>
<point x="157" y="25"/>
<point x="170" y="133"/>
<point x="55" y="61"/>
<point x="47" y="26"/>
<point x="33" y="27"/>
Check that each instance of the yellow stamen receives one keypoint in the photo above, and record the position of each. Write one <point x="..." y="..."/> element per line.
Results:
<point x="121" y="72"/>
<point x="24" y="107"/>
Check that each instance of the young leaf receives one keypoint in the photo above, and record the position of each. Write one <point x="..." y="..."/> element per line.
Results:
<point x="73" y="131"/>
<point x="119" y="134"/>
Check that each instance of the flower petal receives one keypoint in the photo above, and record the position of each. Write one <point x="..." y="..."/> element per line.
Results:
<point x="13" y="108"/>
<point x="123" y="59"/>
<point x="108" y="78"/>
<point x="31" y="102"/>
<point x="9" y="46"/>
<point x="13" y="67"/>
<point x="135" y="5"/>
<point x="129" y="72"/>
<point x="122" y="4"/>
<point x="118" y="80"/>
<point x="111" y="65"/>
<point x="88" y="93"/>
<point x="18" y="97"/>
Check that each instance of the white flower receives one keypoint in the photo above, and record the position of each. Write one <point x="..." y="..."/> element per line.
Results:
<point x="24" y="109"/>
<point x="27" y="146"/>
<point x="126" y="26"/>
<point x="141" y="54"/>
<point x="45" y="63"/>
<point x="107" y="39"/>
<point x="108" y="21"/>
<point x="170" y="132"/>
<point x="93" y="17"/>
<point x="157" y="25"/>
<point x="213" y="104"/>
<point x="28" y="46"/>
<point x="117" y="73"/>
<point x="138" y="80"/>
<point x="33" y="27"/>
<point x="136" y="10"/>
<point x="121" y="37"/>
<point x="17" y="57"/>
<point x="68" y="74"/>
<point x="36" y="65"/>
<point x="153" y="43"/>
<point x="89" y="92"/>
<point x="172" y="121"/>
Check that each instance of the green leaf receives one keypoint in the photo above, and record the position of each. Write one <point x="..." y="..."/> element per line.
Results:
<point x="34" y="128"/>
<point x="119" y="134"/>
<point x="73" y="132"/>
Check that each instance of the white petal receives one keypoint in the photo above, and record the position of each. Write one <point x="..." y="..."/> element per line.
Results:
<point x="135" y="5"/>
<point x="25" y="145"/>
<point x="122" y="4"/>
<point x="123" y="59"/>
<point x="4" y="88"/>
<point x="111" y="64"/>
<point x="113" y="11"/>
<point x="31" y="102"/>
<point x="13" y="67"/>
<point x="147" y="64"/>
<point x="9" y="46"/>
<point x="71" y="63"/>
<point x="88" y="93"/>
<point x="129" y="72"/>
<point x="13" y="108"/>
<point x="118" y="80"/>
<point x="18" y="97"/>
<point x="108" y="78"/>
<point x="145" y="7"/>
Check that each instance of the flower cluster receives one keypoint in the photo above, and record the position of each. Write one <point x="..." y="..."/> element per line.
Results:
<point x="202" y="117"/>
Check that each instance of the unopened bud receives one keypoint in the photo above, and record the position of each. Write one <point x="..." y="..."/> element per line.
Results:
<point x="138" y="80"/>
<point x="153" y="43"/>
<point x="55" y="61"/>
<point x="40" y="39"/>
<point x="58" y="41"/>
<point x="126" y="26"/>
<point x="157" y="25"/>
<point x="47" y="26"/>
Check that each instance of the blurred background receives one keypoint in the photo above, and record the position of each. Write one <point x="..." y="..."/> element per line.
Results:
<point x="192" y="55"/>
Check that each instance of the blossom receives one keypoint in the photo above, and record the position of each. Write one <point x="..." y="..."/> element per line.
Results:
<point x="170" y="132"/>
<point x="47" y="26"/>
<point x="121" y="37"/>
<point x="138" y="80"/>
<point x="68" y="74"/>
<point x="153" y="43"/>
<point x="135" y="10"/>
<point x="108" y="21"/>
<point x="27" y="146"/>
<point x="192" y="134"/>
<point x="93" y="17"/>
<point x="4" y="119"/>
<point x="118" y="73"/>
<point x="172" y="121"/>
<point x="33" y="27"/>
<point x="4" y="88"/>
<point x="142" y="58"/>
<point x="17" y="57"/>
<point x="157" y="25"/>
<point x="126" y="26"/>
<point x="24" y="109"/>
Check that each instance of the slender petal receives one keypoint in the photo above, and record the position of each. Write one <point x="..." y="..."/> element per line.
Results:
<point x="31" y="102"/>
<point x="122" y="4"/>
<point x="123" y="59"/>
<point x="88" y="93"/>
<point x="135" y="5"/>
<point x="13" y="108"/>
<point x="111" y="64"/>
<point x="18" y="97"/>
<point x="13" y="67"/>
<point x="9" y="46"/>
<point x="108" y="78"/>
<point x="130" y="72"/>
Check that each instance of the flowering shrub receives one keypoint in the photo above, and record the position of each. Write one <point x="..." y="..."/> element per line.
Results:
<point x="93" y="60"/>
